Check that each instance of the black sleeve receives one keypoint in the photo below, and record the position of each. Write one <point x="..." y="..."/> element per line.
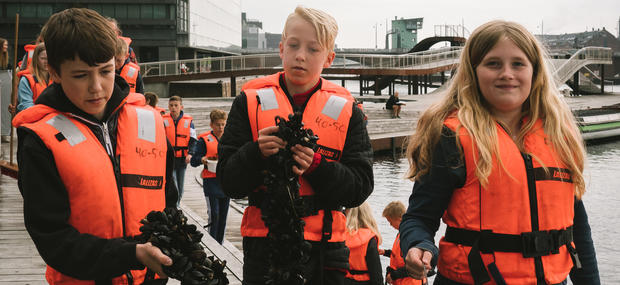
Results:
<point x="139" y="84"/>
<point x="172" y="194"/>
<point x="582" y="235"/>
<point x="431" y="195"/>
<point x="399" y="273"/>
<point x="238" y="154"/>
<point x="46" y="214"/>
<point x="388" y="252"/>
<point x="200" y="150"/>
<point x="350" y="181"/>
<point x="373" y="263"/>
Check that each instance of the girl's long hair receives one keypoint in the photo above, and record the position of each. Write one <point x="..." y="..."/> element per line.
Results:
<point x="361" y="217"/>
<point x="4" y="55"/>
<point x="36" y="68"/>
<point x="464" y="100"/>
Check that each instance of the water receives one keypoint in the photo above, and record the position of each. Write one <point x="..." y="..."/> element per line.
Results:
<point x="602" y="201"/>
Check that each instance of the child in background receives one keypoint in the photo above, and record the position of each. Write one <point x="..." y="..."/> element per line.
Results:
<point x="182" y="136"/>
<point x="151" y="100"/>
<point x="363" y="240"/>
<point x="32" y="83"/>
<point x="205" y="153"/>
<point x="396" y="272"/>
<point x="127" y="69"/>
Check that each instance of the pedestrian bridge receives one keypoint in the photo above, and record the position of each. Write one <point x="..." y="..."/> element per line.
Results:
<point x="418" y="63"/>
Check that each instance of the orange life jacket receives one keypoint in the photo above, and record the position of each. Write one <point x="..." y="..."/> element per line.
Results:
<point x="211" y="142"/>
<point x="36" y="86"/>
<point x="397" y="261"/>
<point x="30" y="53"/>
<point x="95" y="204"/>
<point x="130" y="72"/>
<point x="178" y="134"/>
<point x="358" y="245"/>
<point x="327" y="114"/>
<point x="507" y="206"/>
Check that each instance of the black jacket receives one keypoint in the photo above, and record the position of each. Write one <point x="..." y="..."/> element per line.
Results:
<point x="347" y="182"/>
<point x="46" y="201"/>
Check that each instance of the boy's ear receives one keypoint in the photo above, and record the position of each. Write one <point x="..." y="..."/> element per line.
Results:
<point x="53" y="74"/>
<point x="330" y="59"/>
<point x="281" y="49"/>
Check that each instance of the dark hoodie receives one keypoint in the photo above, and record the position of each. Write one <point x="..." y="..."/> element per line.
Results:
<point x="46" y="201"/>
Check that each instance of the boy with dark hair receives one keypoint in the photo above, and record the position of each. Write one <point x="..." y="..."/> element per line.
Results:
<point x="84" y="185"/>
<point x="337" y="175"/>
<point x="182" y="135"/>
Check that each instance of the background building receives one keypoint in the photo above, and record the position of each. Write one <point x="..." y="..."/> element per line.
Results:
<point x="405" y="32"/>
<point x="160" y="29"/>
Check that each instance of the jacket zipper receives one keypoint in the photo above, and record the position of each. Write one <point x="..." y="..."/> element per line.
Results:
<point x="533" y="197"/>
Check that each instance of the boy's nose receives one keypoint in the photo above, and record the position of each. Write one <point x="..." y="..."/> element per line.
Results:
<point x="95" y="84"/>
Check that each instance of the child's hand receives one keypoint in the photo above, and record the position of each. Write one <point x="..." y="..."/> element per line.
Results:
<point x="152" y="257"/>
<point x="418" y="263"/>
<point x="188" y="158"/>
<point x="388" y="279"/>
<point x="381" y="251"/>
<point x="303" y="156"/>
<point x="268" y="144"/>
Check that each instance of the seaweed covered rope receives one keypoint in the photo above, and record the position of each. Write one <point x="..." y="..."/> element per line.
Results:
<point x="283" y="207"/>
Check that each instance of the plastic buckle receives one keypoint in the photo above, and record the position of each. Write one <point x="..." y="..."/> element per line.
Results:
<point x="536" y="243"/>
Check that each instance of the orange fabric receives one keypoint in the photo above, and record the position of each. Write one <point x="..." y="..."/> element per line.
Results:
<point x="30" y="51"/>
<point x="357" y="243"/>
<point x="503" y="207"/>
<point x="178" y="134"/>
<point x="36" y="87"/>
<point x="211" y="144"/>
<point x="332" y="134"/>
<point x="130" y="73"/>
<point x="397" y="261"/>
<point x="98" y="211"/>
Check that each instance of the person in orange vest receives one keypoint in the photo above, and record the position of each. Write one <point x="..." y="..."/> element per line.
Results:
<point x="363" y="240"/>
<point x="151" y="100"/>
<point x="91" y="163"/>
<point x="131" y="55"/>
<point x="337" y="174"/>
<point x="24" y="64"/>
<point x="205" y="154"/>
<point x="182" y="135"/>
<point x="396" y="273"/>
<point x="127" y="69"/>
<point x="500" y="160"/>
<point x="32" y="84"/>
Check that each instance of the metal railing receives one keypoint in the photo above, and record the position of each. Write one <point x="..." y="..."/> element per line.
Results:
<point x="418" y="60"/>
<point x="583" y="57"/>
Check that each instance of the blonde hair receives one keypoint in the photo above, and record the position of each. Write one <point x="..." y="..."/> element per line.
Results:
<point x="394" y="210"/>
<point x="361" y="217"/>
<point x="4" y="55"/>
<point x="121" y="48"/>
<point x="463" y="95"/>
<point x="35" y="67"/>
<point x="324" y="24"/>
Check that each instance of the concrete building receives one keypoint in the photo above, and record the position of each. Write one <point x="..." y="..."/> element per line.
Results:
<point x="160" y="29"/>
<point x="252" y="36"/>
<point x="405" y="32"/>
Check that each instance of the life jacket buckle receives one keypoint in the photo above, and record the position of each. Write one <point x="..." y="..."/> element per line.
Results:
<point x="537" y="243"/>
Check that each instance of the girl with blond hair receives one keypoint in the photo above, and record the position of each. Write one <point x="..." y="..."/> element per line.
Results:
<point x="32" y="84"/>
<point x="363" y="239"/>
<point x="500" y="160"/>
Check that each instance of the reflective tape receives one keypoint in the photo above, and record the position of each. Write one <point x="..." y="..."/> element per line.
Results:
<point x="131" y="72"/>
<point x="67" y="128"/>
<point x="186" y="124"/>
<point x="146" y="125"/>
<point x="267" y="99"/>
<point x="166" y="123"/>
<point x="334" y="106"/>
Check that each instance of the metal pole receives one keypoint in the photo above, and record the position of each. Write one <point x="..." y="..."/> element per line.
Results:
<point x="602" y="79"/>
<point x="14" y="91"/>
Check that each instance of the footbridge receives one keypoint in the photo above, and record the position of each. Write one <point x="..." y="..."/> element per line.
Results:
<point x="567" y="68"/>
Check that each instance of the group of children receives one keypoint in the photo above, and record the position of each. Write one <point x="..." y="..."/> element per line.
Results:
<point x="88" y="121"/>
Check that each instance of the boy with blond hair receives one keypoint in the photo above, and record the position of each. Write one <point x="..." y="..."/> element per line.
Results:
<point x="396" y="273"/>
<point x="127" y="69"/>
<point x="337" y="174"/>
<point x="92" y="163"/>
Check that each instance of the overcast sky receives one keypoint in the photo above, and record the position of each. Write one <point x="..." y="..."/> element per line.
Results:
<point x="357" y="18"/>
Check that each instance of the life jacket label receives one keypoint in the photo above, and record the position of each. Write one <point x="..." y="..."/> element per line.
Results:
<point x="142" y="181"/>
<point x="131" y="72"/>
<point x="146" y="125"/>
<point x="554" y="174"/>
<point x="334" y="106"/>
<point x="328" y="152"/>
<point x="68" y="129"/>
<point x="267" y="99"/>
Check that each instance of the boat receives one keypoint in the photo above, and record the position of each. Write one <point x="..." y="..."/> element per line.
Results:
<point x="599" y="123"/>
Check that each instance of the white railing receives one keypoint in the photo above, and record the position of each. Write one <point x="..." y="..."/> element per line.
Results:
<point x="583" y="57"/>
<point x="424" y="59"/>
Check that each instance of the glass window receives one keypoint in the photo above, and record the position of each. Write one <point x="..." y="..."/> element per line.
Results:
<point x="29" y="11"/>
<point x="107" y="10"/>
<point x="120" y="11"/>
<point x="11" y="10"/>
<point x="173" y="12"/>
<point x="182" y="17"/>
<point x="44" y="10"/>
<point x="96" y="7"/>
<point x="159" y="11"/>
<point x="146" y="11"/>
<point x="133" y="11"/>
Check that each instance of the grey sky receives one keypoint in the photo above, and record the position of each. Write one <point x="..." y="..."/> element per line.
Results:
<point x="356" y="19"/>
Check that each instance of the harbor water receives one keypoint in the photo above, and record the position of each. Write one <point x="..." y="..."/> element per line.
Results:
<point x="602" y="201"/>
